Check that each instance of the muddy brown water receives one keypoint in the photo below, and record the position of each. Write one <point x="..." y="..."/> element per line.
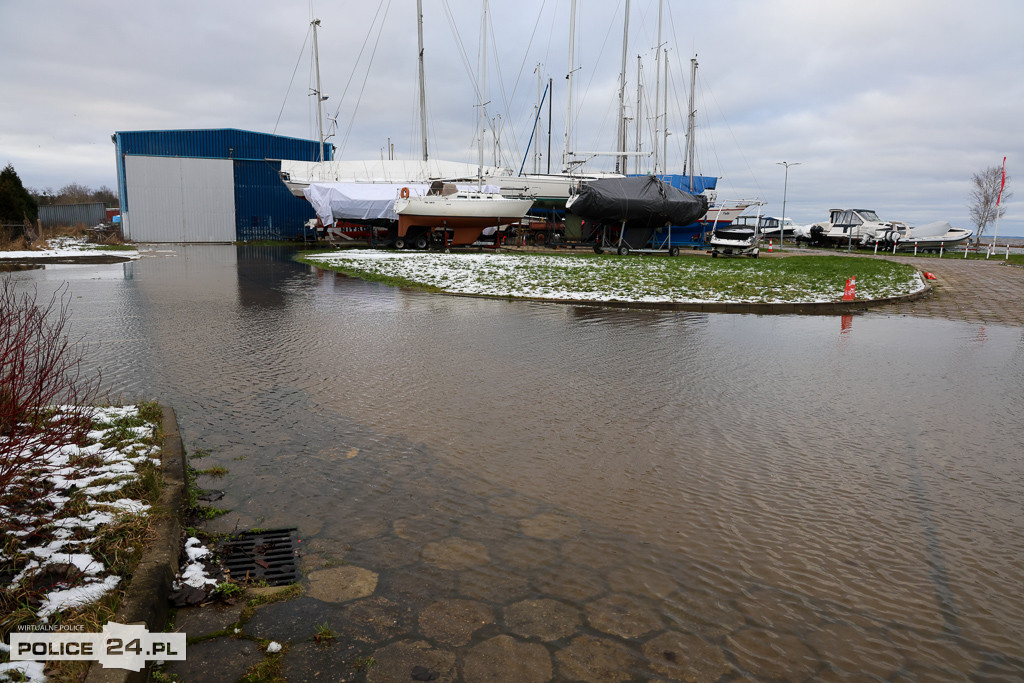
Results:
<point x="611" y="494"/>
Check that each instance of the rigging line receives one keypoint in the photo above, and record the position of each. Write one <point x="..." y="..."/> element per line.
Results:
<point x="504" y="97"/>
<point x="519" y="76"/>
<point x="593" y="72"/>
<point x="746" y="162"/>
<point x="651" y="115"/>
<point x="359" y="57"/>
<point x="679" y="140"/>
<point x="348" y="131"/>
<point x="508" y="122"/>
<point x="292" y="81"/>
<point x="465" y="59"/>
<point x="466" y="64"/>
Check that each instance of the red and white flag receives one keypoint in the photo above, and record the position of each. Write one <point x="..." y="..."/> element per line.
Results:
<point x="1002" y="184"/>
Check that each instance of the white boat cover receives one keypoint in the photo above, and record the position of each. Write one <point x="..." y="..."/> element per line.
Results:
<point x="365" y="201"/>
<point x="936" y="229"/>
<point x="382" y="171"/>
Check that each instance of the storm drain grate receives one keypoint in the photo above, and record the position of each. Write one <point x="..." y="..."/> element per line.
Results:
<point x="270" y="556"/>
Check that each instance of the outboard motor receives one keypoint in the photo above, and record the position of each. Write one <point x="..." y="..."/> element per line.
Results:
<point x="817" y="235"/>
<point x="890" y="236"/>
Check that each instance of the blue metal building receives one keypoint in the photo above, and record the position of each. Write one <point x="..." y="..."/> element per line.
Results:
<point x="214" y="185"/>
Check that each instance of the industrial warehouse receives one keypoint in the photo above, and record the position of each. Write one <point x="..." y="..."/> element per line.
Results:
<point x="215" y="185"/>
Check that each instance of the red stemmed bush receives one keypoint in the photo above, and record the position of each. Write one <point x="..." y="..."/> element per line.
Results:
<point x="45" y="399"/>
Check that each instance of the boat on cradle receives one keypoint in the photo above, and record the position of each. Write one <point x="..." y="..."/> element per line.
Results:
<point x="696" y="233"/>
<point x="352" y="211"/>
<point x="935" y="236"/>
<point x="451" y="216"/>
<point x="720" y="213"/>
<point x="623" y="213"/>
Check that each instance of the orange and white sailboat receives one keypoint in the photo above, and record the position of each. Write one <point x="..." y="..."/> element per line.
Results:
<point x="460" y="216"/>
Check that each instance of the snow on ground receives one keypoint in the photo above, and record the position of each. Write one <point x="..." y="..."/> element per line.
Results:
<point x="68" y="246"/>
<point x="632" y="279"/>
<point x="193" y="572"/>
<point x="57" y="539"/>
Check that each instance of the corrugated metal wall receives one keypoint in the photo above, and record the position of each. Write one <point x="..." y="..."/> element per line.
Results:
<point x="260" y="205"/>
<point x="179" y="200"/>
<point x="91" y="214"/>
<point x="265" y="209"/>
<point x="220" y="143"/>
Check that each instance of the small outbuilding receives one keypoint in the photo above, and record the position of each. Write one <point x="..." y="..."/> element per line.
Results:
<point x="213" y="185"/>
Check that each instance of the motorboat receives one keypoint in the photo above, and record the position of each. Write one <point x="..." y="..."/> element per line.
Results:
<point x="850" y="226"/>
<point x="736" y="239"/>
<point x="453" y="216"/>
<point x="927" y="237"/>
<point x="772" y="226"/>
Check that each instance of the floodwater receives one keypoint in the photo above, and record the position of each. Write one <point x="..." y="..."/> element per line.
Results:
<point x="638" y="494"/>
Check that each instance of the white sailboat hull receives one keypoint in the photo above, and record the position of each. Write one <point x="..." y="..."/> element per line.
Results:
<point x="464" y="215"/>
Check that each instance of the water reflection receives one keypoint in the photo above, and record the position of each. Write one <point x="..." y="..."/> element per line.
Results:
<point x="762" y="490"/>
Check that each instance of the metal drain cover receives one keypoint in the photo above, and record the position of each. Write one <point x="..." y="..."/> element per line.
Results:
<point x="270" y="556"/>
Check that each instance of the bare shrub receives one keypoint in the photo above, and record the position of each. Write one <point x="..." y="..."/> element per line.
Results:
<point x="45" y="400"/>
<point x="77" y="230"/>
<point x="12" y="242"/>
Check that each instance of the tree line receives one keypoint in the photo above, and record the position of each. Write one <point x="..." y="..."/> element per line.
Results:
<point x="18" y="203"/>
<point x="76" y="193"/>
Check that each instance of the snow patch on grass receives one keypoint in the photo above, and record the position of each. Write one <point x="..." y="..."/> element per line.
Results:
<point x="613" y="279"/>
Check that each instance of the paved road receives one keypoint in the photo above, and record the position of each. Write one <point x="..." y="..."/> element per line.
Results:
<point x="989" y="291"/>
<point x="976" y="291"/>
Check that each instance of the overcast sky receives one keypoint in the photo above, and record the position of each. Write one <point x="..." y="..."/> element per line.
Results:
<point x="889" y="104"/>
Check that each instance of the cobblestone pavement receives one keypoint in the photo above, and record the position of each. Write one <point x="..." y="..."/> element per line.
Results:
<point x="989" y="292"/>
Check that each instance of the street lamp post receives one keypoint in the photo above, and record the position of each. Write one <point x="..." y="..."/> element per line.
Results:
<point x="785" y="186"/>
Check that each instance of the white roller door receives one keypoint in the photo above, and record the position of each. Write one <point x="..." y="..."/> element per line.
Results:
<point x="176" y="199"/>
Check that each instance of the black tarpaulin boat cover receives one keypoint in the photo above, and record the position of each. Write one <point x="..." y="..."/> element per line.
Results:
<point x="642" y="201"/>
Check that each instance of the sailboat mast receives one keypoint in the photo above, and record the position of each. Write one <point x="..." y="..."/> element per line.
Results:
<point x="319" y="96"/>
<point x="423" y="89"/>
<point x="621" y="148"/>
<point x="568" y="91"/>
<point x="536" y="119"/>
<point x="664" y="132"/>
<point x="639" y="109"/>
<point x="691" y="123"/>
<point x="483" y="94"/>
<point x="657" y="88"/>
<point x="550" y="86"/>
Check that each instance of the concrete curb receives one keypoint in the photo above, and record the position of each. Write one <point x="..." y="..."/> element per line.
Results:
<point x="756" y="308"/>
<point x="145" y="600"/>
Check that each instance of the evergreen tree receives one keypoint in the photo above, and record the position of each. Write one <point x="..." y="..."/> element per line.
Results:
<point x="16" y="204"/>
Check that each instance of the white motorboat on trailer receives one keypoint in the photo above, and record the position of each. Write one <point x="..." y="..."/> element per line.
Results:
<point x="850" y="226"/>
<point x="929" y="237"/>
<point x="737" y="239"/>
